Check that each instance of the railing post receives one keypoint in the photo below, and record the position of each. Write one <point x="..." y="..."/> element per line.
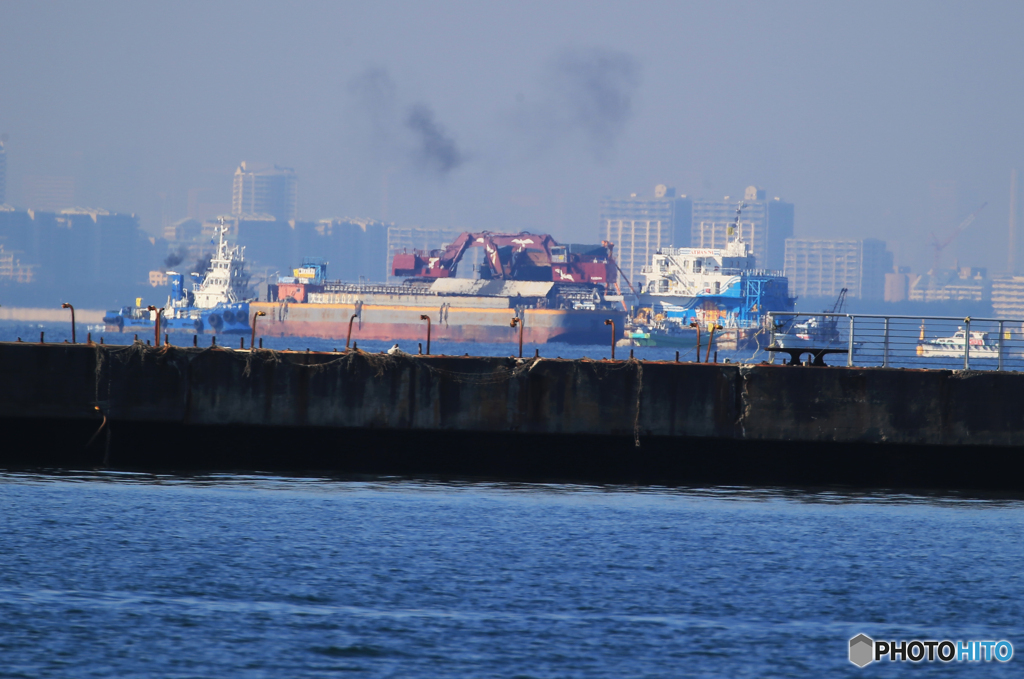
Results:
<point x="885" y="346"/>
<point x="967" y="343"/>
<point x="849" y="353"/>
<point x="999" y="365"/>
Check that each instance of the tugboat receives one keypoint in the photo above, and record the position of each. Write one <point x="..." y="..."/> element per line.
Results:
<point x="218" y="301"/>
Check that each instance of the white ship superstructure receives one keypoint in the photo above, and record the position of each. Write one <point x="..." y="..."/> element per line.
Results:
<point x="226" y="281"/>
<point x="712" y="285"/>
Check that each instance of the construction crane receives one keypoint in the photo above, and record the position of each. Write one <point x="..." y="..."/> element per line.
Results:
<point x="939" y="246"/>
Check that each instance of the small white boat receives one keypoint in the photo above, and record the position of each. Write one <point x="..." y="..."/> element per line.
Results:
<point x="816" y="332"/>
<point x="953" y="347"/>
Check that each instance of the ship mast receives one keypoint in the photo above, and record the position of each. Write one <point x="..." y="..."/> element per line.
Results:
<point x="734" y="228"/>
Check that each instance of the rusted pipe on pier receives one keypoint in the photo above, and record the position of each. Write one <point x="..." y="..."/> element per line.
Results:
<point x="159" y="312"/>
<point x="65" y="305"/>
<point x="611" y="322"/>
<point x="516" y="321"/>
<point x="711" y="340"/>
<point x="349" y="337"/>
<point x="252" y="342"/>
<point x="424" y="317"/>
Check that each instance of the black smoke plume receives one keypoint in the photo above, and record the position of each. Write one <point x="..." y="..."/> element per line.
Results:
<point x="589" y="92"/>
<point x="176" y="257"/>
<point x="203" y="263"/>
<point x="434" y="150"/>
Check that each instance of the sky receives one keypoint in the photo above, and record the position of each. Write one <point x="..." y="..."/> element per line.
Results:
<point x="891" y="120"/>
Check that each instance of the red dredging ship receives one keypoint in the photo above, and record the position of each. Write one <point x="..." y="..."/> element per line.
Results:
<point x="471" y="290"/>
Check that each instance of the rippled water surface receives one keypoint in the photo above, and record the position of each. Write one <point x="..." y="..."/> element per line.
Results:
<point x="127" y="575"/>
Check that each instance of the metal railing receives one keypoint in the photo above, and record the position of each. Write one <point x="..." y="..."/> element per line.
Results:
<point x="937" y="342"/>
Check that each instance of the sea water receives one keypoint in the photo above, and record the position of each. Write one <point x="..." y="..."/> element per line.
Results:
<point x="107" y="574"/>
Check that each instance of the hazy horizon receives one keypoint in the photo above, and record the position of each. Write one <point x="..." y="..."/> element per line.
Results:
<point x="879" y="120"/>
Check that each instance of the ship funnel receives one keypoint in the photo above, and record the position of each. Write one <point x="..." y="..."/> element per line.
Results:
<point x="177" y="282"/>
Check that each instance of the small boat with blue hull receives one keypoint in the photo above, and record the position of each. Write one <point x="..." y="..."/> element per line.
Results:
<point x="218" y="301"/>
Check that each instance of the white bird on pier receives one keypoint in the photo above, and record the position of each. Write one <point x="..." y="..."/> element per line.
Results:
<point x="394" y="350"/>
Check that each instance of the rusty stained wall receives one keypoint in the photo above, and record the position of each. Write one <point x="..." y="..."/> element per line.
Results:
<point x="623" y="399"/>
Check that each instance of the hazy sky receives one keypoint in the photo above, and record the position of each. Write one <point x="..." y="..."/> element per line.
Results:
<point x="889" y="120"/>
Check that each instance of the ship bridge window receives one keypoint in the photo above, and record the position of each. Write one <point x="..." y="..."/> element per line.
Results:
<point x="663" y="285"/>
<point x="696" y="266"/>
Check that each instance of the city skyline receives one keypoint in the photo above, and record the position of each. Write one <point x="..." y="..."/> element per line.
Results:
<point x="877" y="120"/>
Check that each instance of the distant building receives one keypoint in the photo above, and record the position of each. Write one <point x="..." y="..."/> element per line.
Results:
<point x="92" y="258"/>
<point x="355" y="248"/>
<point x="410" y="238"/>
<point x="3" y="173"/>
<point x="821" y="268"/>
<point x="264" y="190"/>
<point x="1008" y="296"/>
<point x="183" y="230"/>
<point x="965" y="284"/>
<point x="12" y="270"/>
<point x="640" y="226"/>
<point x="352" y="248"/>
<point x="49" y="194"/>
<point x="897" y="285"/>
<point x="764" y="224"/>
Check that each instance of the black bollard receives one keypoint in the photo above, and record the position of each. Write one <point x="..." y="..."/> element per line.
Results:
<point x="195" y="340"/>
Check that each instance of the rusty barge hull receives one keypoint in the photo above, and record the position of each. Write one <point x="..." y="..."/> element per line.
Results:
<point x="454" y="323"/>
<point x="602" y="421"/>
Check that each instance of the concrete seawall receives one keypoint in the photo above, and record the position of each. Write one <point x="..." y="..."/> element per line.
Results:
<point x="625" y="421"/>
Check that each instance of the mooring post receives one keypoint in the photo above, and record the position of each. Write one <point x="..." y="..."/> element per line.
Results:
<point x="65" y="305"/>
<point x="611" y="322"/>
<point x="695" y="324"/>
<point x="424" y="317"/>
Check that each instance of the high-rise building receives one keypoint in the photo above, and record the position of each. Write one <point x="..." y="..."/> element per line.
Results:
<point x="264" y="190"/>
<point x="821" y="268"/>
<point x="640" y="226"/>
<point x="3" y="173"/>
<point x="763" y="224"/>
